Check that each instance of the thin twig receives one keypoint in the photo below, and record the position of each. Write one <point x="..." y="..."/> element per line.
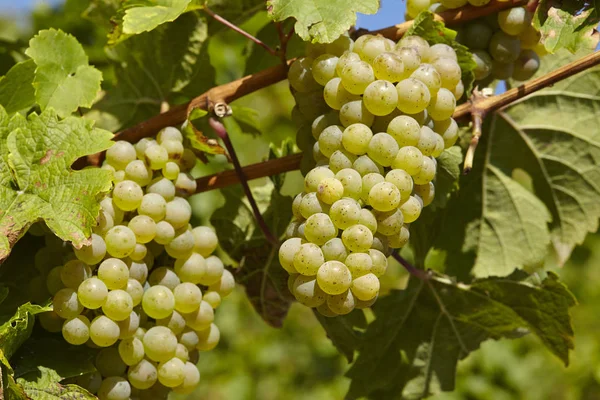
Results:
<point x="239" y="30"/>
<point x="414" y="271"/>
<point x="283" y="41"/>
<point x="477" y="116"/>
<point x="222" y="133"/>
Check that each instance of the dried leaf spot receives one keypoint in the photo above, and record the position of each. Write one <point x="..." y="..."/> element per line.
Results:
<point x="46" y="157"/>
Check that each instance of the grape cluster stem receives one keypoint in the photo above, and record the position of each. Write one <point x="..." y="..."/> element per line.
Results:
<point x="411" y="269"/>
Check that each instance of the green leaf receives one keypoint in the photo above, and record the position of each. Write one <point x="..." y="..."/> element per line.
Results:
<point x="16" y="88"/>
<point x="143" y="16"/>
<point x="46" y="387"/>
<point x="36" y="181"/>
<point x="446" y="178"/>
<point x="259" y="269"/>
<point x="342" y="331"/>
<point x="63" y="78"/>
<point x="419" y="334"/>
<point x="435" y="32"/>
<point x="567" y="24"/>
<point x="494" y="224"/>
<point x="16" y="329"/>
<point x="196" y="137"/>
<point x="321" y="21"/>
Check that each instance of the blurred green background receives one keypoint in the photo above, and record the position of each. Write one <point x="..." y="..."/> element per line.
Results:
<point x="297" y="362"/>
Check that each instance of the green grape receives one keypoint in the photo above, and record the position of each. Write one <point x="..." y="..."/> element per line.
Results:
<point x="371" y="47"/>
<point x="118" y="176"/>
<point x="352" y="182"/>
<point x="208" y="338"/>
<point x="357" y="238"/>
<point x="307" y="291"/>
<point x="530" y="37"/>
<point x="427" y="172"/>
<point x="323" y="68"/>
<point x="174" y="149"/>
<point x="410" y="60"/>
<point x="300" y="75"/>
<point x="142" y="375"/>
<point x="109" y="363"/>
<point x="384" y="196"/>
<point x="304" y="139"/>
<point x="448" y="129"/>
<point x="185" y="184"/>
<point x="308" y="259"/>
<point x="389" y="67"/>
<point x="171" y="170"/>
<point x="504" y="48"/>
<point x="342" y="303"/>
<point x="158" y="302"/>
<point x="164" y="233"/>
<point x="414" y="7"/>
<point x="346" y="59"/>
<point x="138" y="172"/>
<point x="94" y="253"/>
<point x="330" y="190"/>
<point x="118" y="305"/>
<point x="154" y="206"/>
<point x="190" y="380"/>
<point x="417" y="43"/>
<point x="314" y="49"/>
<point x="120" y="154"/>
<point x="426" y="193"/>
<point x="330" y="140"/>
<point x="53" y="280"/>
<point x="365" y="287"/>
<point x="92" y="293"/>
<point x="383" y="149"/>
<point x="340" y="45"/>
<point x="344" y="213"/>
<point x="368" y="181"/>
<point x="156" y="156"/>
<point x="356" y="76"/>
<point x="314" y="178"/>
<point x="169" y="133"/>
<point x="427" y="141"/>
<point x="513" y="21"/>
<point x="399" y="240"/>
<point x="182" y="352"/>
<point x="187" y="297"/>
<point x="526" y="65"/>
<point x="164" y="276"/>
<point x="483" y="66"/>
<point x="114" y="388"/>
<point x="225" y="285"/>
<point x="50" y="321"/>
<point x="449" y="71"/>
<point x="311" y="204"/>
<point x="441" y="50"/>
<point x="402" y="180"/>
<point x="170" y="372"/>
<point x="138" y="271"/>
<point x="442" y="105"/>
<point x="334" y="277"/>
<point x="379" y="262"/>
<point x="143" y="227"/>
<point x="334" y="249"/>
<point x="364" y="165"/>
<point x="214" y="271"/>
<point x="201" y="318"/>
<point x="390" y="222"/>
<point x="502" y="70"/>
<point x="114" y="273"/>
<point x="66" y="304"/>
<point x="212" y="298"/>
<point x="356" y="138"/>
<point x="411" y="209"/>
<point x="120" y="241"/>
<point x="380" y="97"/>
<point x="160" y="343"/>
<point x="182" y="245"/>
<point x="76" y="330"/>
<point x="427" y="74"/>
<point x="355" y="112"/>
<point x="323" y="121"/>
<point x="175" y="322"/>
<point x="142" y="145"/>
<point x="318" y="157"/>
<point x="341" y="159"/>
<point x="413" y="96"/>
<point x="325" y="311"/>
<point x="478" y="35"/>
<point x="459" y="90"/>
<point x="367" y="218"/>
<point x="178" y="213"/>
<point x="319" y="229"/>
<point x="409" y="159"/>
<point x="188" y="338"/>
<point x="359" y="264"/>
<point x="74" y="272"/>
<point x="406" y="130"/>
<point x="131" y="350"/>
<point x="129" y="326"/>
<point x="162" y="187"/>
<point x="104" y="331"/>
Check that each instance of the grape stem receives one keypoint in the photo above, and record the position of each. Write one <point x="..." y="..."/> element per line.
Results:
<point x="220" y="130"/>
<point x="414" y="271"/>
<point x="477" y="116"/>
<point x="239" y="30"/>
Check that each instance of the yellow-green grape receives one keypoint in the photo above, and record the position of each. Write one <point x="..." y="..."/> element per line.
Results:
<point x="164" y="276"/>
<point x="104" y="331"/>
<point x="311" y="204"/>
<point x="389" y="66"/>
<point x="114" y="273"/>
<point x="417" y="43"/>
<point x="308" y="259"/>
<point x="142" y="375"/>
<point x="120" y="241"/>
<point x="153" y="205"/>
<point x="158" y="302"/>
<point x="156" y="156"/>
<point x="175" y="322"/>
<point x="530" y="37"/>
<point x="365" y="287"/>
<point x="114" y="387"/>
<point x="411" y="209"/>
<point x="307" y="291"/>
<point x="334" y="249"/>
<point x="324" y="310"/>
<point x="369" y="48"/>
<point x="355" y="112"/>
<point x="92" y="293"/>
<point x="390" y="222"/>
<point x="406" y="130"/>
<point x="131" y="350"/>
<point x="399" y="240"/>
<point x="76" y="330"/>
<point x="334" y="277"/>
<point x="208" y="338"/>
<point x="164" y="233"/>
<point x="341" y="159"/>
<point x="171" y="170"/>
<point x="129" y="326"/>
<point x="200" y="318"/>
<point x="367" y="218"/>
<point x="300" y="75"/>
<point x="449" y="71"/>
<point x="143" y="227"/>
<point x="178" y="212"/>
<point x="118" y="305"/>
<point x="352" y="182"/>
<point x="94" y="253"/>
<point x="323" y="68"/>
<point x="182" y="245"/>
<point x="359" y="264"/>
<point x="402" y="180"/>
<point x="174" y="149"/>
<point x="426" y="193"/>
<point x="191" y="269"/>
<point x="182" y="352"/>
<point x="214" y="271"/>
<point x="459" y="90"/>
<point x="319" y="229"/>
<point x="364" y="165"/>
<point x="413" y="96"/>
<point x="356" y="76"/>
<point x="384" y="196"/>
<point x="357" y="238"/>
<point x="120" y="154"/>
<point x="347" y="58"/>
<point x="442" y="50"/>
<point x="383" y="149"/>
<point x="314" y="178"/>
<point x="356" y="138"/>
<point x="368" y="181"/>
<point x="504" y="48"/>
<point x="379" y="262"/>
<point x="66" y="303"/>
<point x="225" y="285"/>
<point x="411" y="59"/>
<point x="409" y="159"/>
<point x="513" y="21"/>
<point x="427" y="74"/>
<point x="185" y="184"/>
<point x="342" y="303"/>
<point x="330" y="190"/>
<point x="526" y="65"/>
<point x="188" y="338"/>
<point x="380" y="97"/>
<point x="188" y="297"/>
<point x="160" y="343"/>
<point x="212" y="298"/>
<point x="138" y="172"/>
<point x="414" y="7"/>
<point x="442" y="105"/>
<point x="427" y="172"/>
<point x="344" y="213"/>
<point x="428" y="140"/>
<point x="191" y="377"/>
<point x="448" y="129"/>
<point x="330" y="140"/>
<point x="74" y="272"/>
<point x="323" y="121"/>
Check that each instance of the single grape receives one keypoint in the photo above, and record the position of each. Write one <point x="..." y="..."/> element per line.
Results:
<point x="459" y="90"/>
<point x="307" y="291"/>
<point x="368" y="49"/>
<point x="92" y="293"/>
<point x="323" y="68"/>
<point x="114" y="388"/>
<point x="142" y="375"/>
<point x="51" y="321"/>
<point x="344" y="213"/>
<point x="526" y="65"/>
<point x="164" y="233"/>
<point x="334" y="277"/>
<point x="188" y="338"/>
<point x="342" y="303"/>
<point x="359" y="264"/>
<point x="131" y="350"/>
<point x="427" y="74"/>
<point x="143" y="227"/>
<point x="205" y="240"/>
<point x="114" y="273"/>
<point x="314" y="178"/>
<point x="341" y="159"/>
<point x="427" y="172"/>
<point x="530" y="37"/>
<point x="389" y="67"/>
<point x="406" y="130"/>
<point x="390" y="222"/>
<point x="441" y="50"/>
<point x="120" y="241"/>
<point x="426" y="193"/>
<point x="212" y="298"/>
<point x="129" y="326"/>
<point x="120" y="154"/>
<point x="357" y="238"/>
<point x="384" y="196"/>
<point x="383" y="149"/>
<point x="380" y="97"/>
<point x="191" y="268"/>
<point x="118" y="305"/>
<point x="340" y="45"/>
<point x="442" y="105"/>
<point x="182" y="244"/>
<point x="171" y="372"/>
<point x="104" y="331"/>
<point x="178" y="213"/>
<point x="330" y="140"/>
<point x="94" y="253"/>
<point x="399" y="240"/>
<point x="158" y="302"/>
<point x="300" y="75"/>
<point x="448" y="129"/>
<point x="504" y="48"/>
<point x="352" y="182"/>
<point x="513" y="21"/>
<point x="325" y="311"/>
<point x="355" y="112"/>
<point x="413" y="95"/>
<point x="160" y="343"/>
<point x="415" y="42"/>
<point x="138" y="172"/>
<point x="356" y="138"/>
<point x="477" y="35"/>
<point x="402" y="180"/>
<point x="330" y="190"/>
<point x="74" y="272"/>
<point x="365" y="287"/>
<point x="379" y="262"/>
<point x="214" y="271"/>
<point x="449" y="71"/>
<point x="66" y="303"/>
<point x="308" y="259"/>
<point x="483" y="64"/>
<point x="414" y="7"/>
<point x="201" y="318"/>
<point x="411" y="60"/>
<point x="334" y="249"/>
<point x="367" y="218"/>
<point x="175" y="322"/>
<point x="156" y="156"/>
<point x="187" y="297"/>
<point x="409" y="159"/>
<point x="162" y="187"/>
<point x="171" y="170"/>
<point x="76" y="330"/>
<point x="53" y="281"/>
<point x="154" y="206"/>
<point x="319" y="229"/>
<point x="411" y="209"/>
<point x="138" y="271"/>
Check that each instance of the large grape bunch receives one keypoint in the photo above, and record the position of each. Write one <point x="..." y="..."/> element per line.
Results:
<point x="504" y="45"/>
<point x="146" y="288"/>
<point x="374" y="116"/>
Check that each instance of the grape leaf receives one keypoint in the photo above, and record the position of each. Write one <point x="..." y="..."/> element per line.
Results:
<point x="321" y="21"/>
<point x="144" y="16"/>
<point x="63" y="78"/>
<point x="16" y="88"/>
<point x="419" y="334"/>
<point x="435" y="32"/>
<point x="15" y="329"/>
<point x="36" y="181"/>
<point x="494" y="224"/>
<point x="46" y="387"/>
<point x="259" y="269"/>
<point x="567" y="24"/>
<point x="342" y="331"/>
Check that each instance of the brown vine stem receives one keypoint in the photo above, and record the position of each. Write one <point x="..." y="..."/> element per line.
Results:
<point x="239" y="30"/>
<point x="414" y="271"/>
<point x="220" y="130"/>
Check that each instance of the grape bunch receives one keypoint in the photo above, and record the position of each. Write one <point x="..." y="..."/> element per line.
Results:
<point x="504" y="45"/>
<point x="145" y="289"/>
<point x="374" y="116"/>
